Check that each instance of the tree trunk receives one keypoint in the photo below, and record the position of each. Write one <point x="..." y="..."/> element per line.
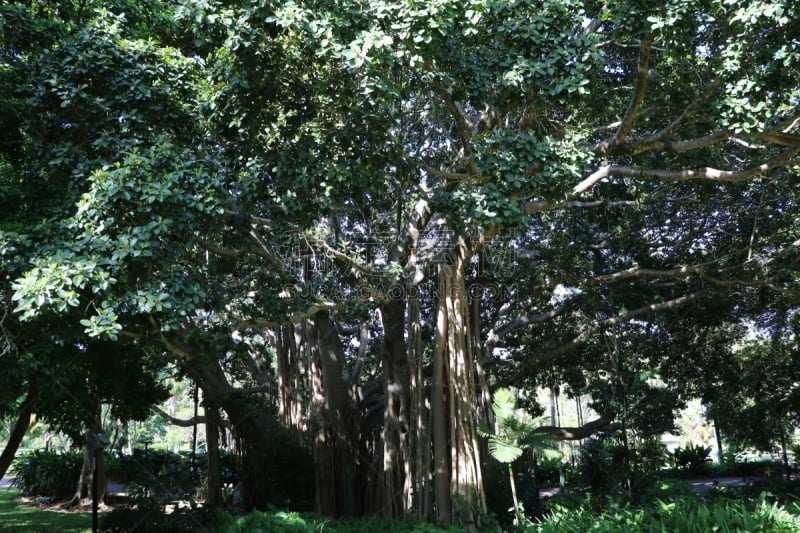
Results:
<point x="214" y="474"/>
<point x="335" y="445"/>
<point x="718" y="437"/>
<point x="252" y="426"/>
<point x="394" y="487"/>
<point x="420" y="415"/>
<point x="92" y="463"/>
<point x="514" y="495"/>
<point x="196" y="402"/>
<point x="441" y="457"/>
<point x="291" y="379"/>
<point x="19" y="429"/>
<point x="454" y="371"/>
<point x="786" y="468"/>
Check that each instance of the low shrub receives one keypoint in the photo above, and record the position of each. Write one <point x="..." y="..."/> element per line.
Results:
<point x="291" y="522"/>
<point x="157" y="476"/>
<point x="47" y="473"/>
<point x="744" y="469"/>
<point x="604" y="467"/>
<point x="685" y="514"/>
<point x="692" y="460"/>
<point x="180" y="521"/>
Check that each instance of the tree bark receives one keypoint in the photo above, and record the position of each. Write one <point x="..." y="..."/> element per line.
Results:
<point x="251" y="425"/>
<point x="441" y="457"/>
<point x="20" y="428"/>
<point x="718" y="437"/>
<point x="336" y="443"/>
<point x="456" y="444"/>
<point x="92" y="463"/>
<point x="214" y="474"/>
<point x="397" y="381"/>
<point x="291" y="371"/>
<point x="420" y="415"/>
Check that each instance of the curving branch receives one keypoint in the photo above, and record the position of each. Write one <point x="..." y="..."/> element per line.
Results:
<point x="184" y="423"/>
<point x="779" y="137"/>
<point x="659" y="143"/>
<point x="462" y="124"/>
<point x="496" y="334"/>
<point x="638" y="272"/>
<point x="217" y="250"/>
<point x="339" y="256"/>
<point x="292" y="318"/>
<point x="586" y="334"/>
<point x="658" y="140"/>
<point x="786" y="158"/>
<point x="581" y="432"/>
<point x="454" y="176"/>
<point x="642" y="71"/>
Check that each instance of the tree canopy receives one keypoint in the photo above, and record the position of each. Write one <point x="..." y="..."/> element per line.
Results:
<point x="397" y="206"/>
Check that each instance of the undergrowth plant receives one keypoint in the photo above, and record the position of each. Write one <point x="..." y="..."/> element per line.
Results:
<point x="684" y="514"/>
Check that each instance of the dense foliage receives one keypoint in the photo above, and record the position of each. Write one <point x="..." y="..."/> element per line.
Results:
<point x="42" y="473"/>
<point x="358" y="221"/>
<point x="690" y="515"/>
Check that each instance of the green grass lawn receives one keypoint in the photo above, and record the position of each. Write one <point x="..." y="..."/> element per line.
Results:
<point x="24" y="519"/>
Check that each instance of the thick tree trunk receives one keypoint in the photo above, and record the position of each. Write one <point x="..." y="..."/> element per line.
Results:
<point x="20" y="428"/>
<point x="291" y="370"/>
<point x="441" y="456"/>
<point x="214" y="473"/>
<point x="456" y="446"/>
<point x="718" y="437"/>
<point x="336" y="443"/>
<point x="394" y="487"/>
<point x="93" y="464"/>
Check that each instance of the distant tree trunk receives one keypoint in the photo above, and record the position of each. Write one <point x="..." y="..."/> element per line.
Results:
<point x="787" y="469"/>
<point x="20" y="428"/>
<point x="214" y="474"/>
<point x="91" y="462"/>
<point x="718" y="436"/>
<point x="196" y="402"/>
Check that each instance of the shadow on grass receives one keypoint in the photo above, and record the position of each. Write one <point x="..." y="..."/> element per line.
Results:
<point x="25" y="519"/>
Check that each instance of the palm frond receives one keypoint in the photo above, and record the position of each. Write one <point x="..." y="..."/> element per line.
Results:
<point x="504" y="451"/>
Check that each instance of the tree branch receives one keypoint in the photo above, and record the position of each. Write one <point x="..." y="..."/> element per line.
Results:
<point x="581" y="432"/>
<point x="642" y="70"/>
<point x="708" y="173"/>
<point x="339" y="256"/>
<point x="453" y="176"/>
<point x="658" y="141"/>
<point x="496" y="334"/>
<point x="292" y="318"/>
<point x="218" y="250"/>
<point x="179" y="421"/>
<point x="527" y="320"/>
<point x="584" y="336"/>
<point x="629" y="273"/>
<point x="462" y="125"/>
